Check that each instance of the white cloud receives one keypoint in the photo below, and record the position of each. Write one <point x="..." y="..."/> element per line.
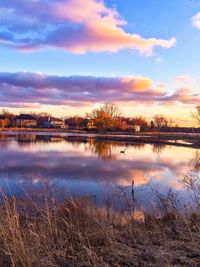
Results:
<point x="196" y="20"/>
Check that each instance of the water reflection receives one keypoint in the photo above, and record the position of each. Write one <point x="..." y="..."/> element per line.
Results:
<point x="83" y="167"/>
<point x="158" y="148"/>
<point x="105" y="150"/>
<point x="26" y="138"/>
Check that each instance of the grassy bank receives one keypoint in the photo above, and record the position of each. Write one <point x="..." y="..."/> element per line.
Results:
<point x="77" y="233"/>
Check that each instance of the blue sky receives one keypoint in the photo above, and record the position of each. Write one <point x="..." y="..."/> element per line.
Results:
<point x="158" y="19"/>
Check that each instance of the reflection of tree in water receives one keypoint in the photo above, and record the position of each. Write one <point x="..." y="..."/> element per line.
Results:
<point x="138" y="146"/>
<point x="33" y="138"/>
<point x="111" y="150"/>
<point x="23" y="138"/>
<point x="105" y="150"/>
<point x="158" y="149"/>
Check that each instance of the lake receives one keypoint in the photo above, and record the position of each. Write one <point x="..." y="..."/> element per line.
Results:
<point x="91" y="167"/>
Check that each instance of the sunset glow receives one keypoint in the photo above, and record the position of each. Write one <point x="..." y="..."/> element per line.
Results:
<point x="67" y="57"/>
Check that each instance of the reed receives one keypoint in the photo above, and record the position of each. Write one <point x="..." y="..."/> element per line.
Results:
<point x="77" y="233"/>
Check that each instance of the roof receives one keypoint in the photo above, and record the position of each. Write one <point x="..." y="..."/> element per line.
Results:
<point x="24" y="117"/>
<point x="44" y="118"/>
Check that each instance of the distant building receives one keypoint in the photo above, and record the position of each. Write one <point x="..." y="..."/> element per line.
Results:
<point x="137" y="128"/>
<point x="4" y="122"/>
<point x="24" y="120"/>
<point x="48" y="122"/>
<point x="91" y="125"/>
<point x="57" y="123"/>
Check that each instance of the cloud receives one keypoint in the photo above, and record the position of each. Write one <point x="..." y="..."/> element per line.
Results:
<point x="196" y="21"/>
<point x="182" y="95"/>
<point x="158" y="59"/>
<point x="74" y="25"/>
<point x="26" y="89"/>
<point x="183" y="79"/>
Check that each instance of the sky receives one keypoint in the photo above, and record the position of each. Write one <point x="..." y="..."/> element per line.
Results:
<point x="67" y="57"/>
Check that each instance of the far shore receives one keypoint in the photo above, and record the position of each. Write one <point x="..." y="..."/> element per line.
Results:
<point x="159" y="138"/>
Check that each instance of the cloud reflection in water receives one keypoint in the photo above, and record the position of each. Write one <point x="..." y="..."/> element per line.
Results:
<point x="82" y="166"/>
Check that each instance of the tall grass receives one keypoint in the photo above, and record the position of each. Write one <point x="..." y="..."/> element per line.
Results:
<point x="77" y="233"/>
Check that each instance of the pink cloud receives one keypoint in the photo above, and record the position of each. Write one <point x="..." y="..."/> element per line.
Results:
<point x="74" y="25"/>
<point x="25" y="89"/>
<point x="184" y="95"/>
<point x="184" y="79"/>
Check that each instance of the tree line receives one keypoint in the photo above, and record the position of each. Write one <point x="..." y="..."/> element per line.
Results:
<point x="108" y="117"/>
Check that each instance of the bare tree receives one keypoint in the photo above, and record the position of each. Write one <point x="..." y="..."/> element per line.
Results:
<point x="40" y="114"/>
<point x="7" y="114"/>
<point x="161" y="121"/>
<point x="196" y="114"/>
<point x="112" y="110"/>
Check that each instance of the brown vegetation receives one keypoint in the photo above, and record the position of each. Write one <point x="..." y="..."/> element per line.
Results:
<point x="106" y="118"/>
<point x="196" y="114"/>
<point x="76" y="233"/>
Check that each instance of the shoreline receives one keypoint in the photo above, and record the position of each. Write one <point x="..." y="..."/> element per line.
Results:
<point x="155" y="138"/>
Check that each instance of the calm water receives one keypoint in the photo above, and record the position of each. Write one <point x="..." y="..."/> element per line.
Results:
<point x="91" y="167"/>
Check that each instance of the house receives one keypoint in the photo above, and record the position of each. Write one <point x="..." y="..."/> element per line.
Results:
<point x="57" y="123"/>
<point x="91" y="125"/>
<point x="24" y="120"/>
<point x="48" y="122"/>
<point x="4" y="122"/>
<point x="137" y="128"/>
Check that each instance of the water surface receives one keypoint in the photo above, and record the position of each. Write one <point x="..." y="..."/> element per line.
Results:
<point x="90" y="167"/>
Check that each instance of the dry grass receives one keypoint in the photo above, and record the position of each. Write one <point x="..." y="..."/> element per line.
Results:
<point x="77" y="233"/>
